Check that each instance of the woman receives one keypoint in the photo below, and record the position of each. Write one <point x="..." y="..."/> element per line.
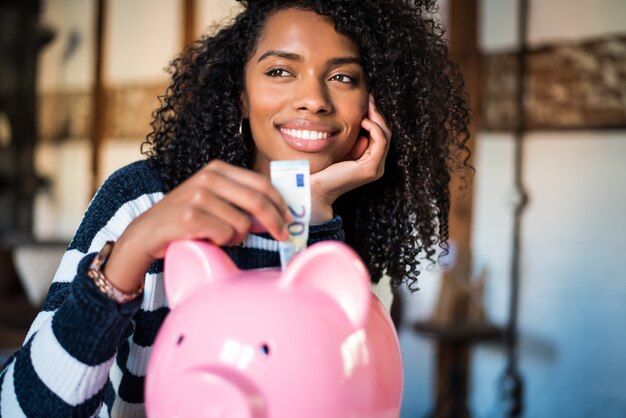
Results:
<point x="291" y="79"/>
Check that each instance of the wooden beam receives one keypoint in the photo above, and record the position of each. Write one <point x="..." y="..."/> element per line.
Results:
<point x="99" y="104"/>
<point x="463" y="47"/>
<point x="453" y="356"/>
<point x="570" y="85"/>
<point x="189" y="22"/>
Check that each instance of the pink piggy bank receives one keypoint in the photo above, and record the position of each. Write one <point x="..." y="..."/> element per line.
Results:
<point x="308" y="342"/>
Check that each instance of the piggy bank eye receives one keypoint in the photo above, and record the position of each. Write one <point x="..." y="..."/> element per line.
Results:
<point x="265" y="349"/>
<point x="181" y="338"/>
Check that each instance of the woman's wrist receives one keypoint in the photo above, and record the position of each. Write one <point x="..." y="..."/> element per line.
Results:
<point x="321" y="213"/>
<point x="127" y="265"/>
<point x="96" y="274"/>
<point x="321" y="204"/>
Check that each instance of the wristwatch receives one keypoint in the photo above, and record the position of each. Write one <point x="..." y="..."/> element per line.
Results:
<point x="102" y="283"/>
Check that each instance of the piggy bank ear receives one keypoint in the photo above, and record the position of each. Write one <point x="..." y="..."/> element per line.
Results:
<point x="335" y="269"/>
<point x="189" y="264"/>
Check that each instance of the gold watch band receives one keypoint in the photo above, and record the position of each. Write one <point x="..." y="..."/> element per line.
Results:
<point x="102" y="283"/>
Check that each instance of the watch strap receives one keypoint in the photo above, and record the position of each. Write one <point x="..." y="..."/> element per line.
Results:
<point x="103" y="284"/>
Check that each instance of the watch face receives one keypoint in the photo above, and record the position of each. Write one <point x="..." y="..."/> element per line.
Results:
<point x="105" y="252"/>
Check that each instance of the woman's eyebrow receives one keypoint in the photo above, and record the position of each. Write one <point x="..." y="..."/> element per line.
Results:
<point x="281" y="54"/>
<point x="297" y="57"/>
<point x="344" y="60"/>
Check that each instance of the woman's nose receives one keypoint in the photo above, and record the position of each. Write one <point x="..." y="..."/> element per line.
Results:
<point x="312" y="95"/>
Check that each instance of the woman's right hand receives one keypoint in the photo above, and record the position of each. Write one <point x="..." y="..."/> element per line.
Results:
<point x="221" y="203"/>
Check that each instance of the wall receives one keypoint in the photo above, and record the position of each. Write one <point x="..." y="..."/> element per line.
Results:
<point x="142" y="37"/>
<point x="210" y="12"/>
<point x="573" y="285"/>
<point x="66" y="65"/>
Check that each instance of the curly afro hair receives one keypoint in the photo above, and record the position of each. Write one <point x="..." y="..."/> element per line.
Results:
<point x="392" y="223"/>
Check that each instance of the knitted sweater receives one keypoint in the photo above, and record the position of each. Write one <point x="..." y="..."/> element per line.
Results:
<point x="86" y="355"/>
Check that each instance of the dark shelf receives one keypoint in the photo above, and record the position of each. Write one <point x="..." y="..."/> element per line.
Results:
<point x="461" y="333"/>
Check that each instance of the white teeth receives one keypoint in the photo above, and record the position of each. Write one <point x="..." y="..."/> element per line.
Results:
<point x="306" y="135"/>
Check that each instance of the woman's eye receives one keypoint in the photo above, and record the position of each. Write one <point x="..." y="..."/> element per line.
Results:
<point x="342" y="78"/>
<point x="278" y="72"/>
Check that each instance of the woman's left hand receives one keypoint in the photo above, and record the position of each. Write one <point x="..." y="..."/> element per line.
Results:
<point x="364" y="163"/>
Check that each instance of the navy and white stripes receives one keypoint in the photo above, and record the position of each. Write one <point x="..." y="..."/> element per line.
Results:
<point x="85" y="355"/>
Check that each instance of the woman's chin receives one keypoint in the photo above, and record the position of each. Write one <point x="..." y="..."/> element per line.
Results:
<point x="319" y="164"/>
<point x="317" y="161"/>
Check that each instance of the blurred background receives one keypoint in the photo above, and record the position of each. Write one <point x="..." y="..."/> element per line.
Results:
<point x="528" y="317"/>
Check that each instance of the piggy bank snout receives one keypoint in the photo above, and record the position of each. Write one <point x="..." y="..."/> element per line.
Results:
<point x="206" y="393"/>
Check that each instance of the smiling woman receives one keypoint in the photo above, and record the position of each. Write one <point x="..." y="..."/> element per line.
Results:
<point x="306" y="102"/>
<point x="362" y="89"/>
<point x="302" y="101"/>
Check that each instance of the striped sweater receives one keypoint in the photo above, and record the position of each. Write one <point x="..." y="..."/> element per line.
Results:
<point x="86" y="355"/>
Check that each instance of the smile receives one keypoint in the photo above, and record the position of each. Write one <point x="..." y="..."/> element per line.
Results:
<point x="305" y="134"/>
<point x="308" y="140"/>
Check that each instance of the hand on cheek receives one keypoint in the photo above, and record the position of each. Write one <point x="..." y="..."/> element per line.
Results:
<point x="364" y="163"/>
<point x="359" y="148"/>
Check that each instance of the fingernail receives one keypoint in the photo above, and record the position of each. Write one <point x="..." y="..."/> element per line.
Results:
<point x="255" y="225"/>
<point x="284" y="234"/>
<point x="288" y="216"/>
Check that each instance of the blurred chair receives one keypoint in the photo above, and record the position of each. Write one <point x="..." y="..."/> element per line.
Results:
<point x="25" y="275"/>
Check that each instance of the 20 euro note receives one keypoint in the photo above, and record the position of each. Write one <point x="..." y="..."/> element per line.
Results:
<point x="291" y="179"/>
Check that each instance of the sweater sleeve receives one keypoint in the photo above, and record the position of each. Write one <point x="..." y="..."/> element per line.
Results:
<point x="330" y="230"/>
<point x="63" y="367"/>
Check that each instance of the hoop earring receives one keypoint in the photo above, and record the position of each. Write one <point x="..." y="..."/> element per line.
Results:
<point x="246" y="147"/>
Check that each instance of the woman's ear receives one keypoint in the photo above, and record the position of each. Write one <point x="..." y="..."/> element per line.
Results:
<point x="334" y="269"/>
<point x="190" y="264"/>
<point x="244" y="105"/>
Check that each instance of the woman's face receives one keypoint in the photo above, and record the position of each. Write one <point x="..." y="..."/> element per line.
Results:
<point x="305" y="91"/>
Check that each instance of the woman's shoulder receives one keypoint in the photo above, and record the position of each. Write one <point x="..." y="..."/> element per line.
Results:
<point x="137" y="175"/>
<point x="135" y="181"/>
<point x="132" y="181"/>
<point x="124" y="195"/>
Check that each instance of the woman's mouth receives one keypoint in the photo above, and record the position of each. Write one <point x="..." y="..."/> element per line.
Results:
<point x="307" y="140"/>
<point x="305" y="134"/>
